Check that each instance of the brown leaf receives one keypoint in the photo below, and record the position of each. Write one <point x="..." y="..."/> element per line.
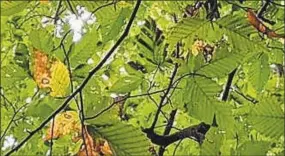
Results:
<point x="65" y="123"/>
<point x="42" y="75"/>
<point x="94" y="148"/>
<point x="260" y="26"/>
<point x="50" y="73"/>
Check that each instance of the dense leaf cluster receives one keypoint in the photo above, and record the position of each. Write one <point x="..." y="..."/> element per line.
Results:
<point x="150" y="77"/>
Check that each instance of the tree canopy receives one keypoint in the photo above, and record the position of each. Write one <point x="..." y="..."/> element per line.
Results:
<point x="90" y="78"/>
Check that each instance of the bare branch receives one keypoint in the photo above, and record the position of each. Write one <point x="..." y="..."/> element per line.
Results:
<point x="57" y="12"/>
<point x="176" y="147"/>
<point x="81" y="116"/>
<point x="167" y="129"/>
<point x="70" y="7"/>
<point x="123" y="99"/>
<point x="102" y="6"/>
<point x="262" y="11"/>
<point x="228" y="85"/>
<point x="52" y="131"/>
<point x="195" y="132"/>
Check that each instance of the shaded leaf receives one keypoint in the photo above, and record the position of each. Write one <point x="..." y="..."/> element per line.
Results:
<point x="41" y="40"/>
<point x="259" y="72"/>
<point x="123" y="139"/>
<point x="254" y="148"/>
<point x="267" y="118"/>
<point x="11" y="7"/>
<point x="126" y="84"/>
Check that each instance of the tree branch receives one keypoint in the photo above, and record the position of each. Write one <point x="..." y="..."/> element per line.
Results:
<point x="277" y="4"/>
<point x="196" y="132"/>
<point x="163" y="98"/>
<point x="85" y="81"/>
<point x="57" y="12"/>
<point x="102" y="6"/>
<point x="248" y="98"/>
<point x="51" y="140"/>
<point x="81" y="117"/>
<point x="167" y="130"/>
<point x="13" y="119"/>
<point x="176" y="147"/>
<point x="70" y="7"/>
<point x="228" y="85"/>
<point x="262" y="10"/>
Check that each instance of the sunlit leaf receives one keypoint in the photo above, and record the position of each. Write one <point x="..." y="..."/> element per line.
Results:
<point x="50" y="73"/>
<point x="65" y="123"/>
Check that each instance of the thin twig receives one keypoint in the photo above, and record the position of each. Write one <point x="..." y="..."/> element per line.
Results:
<point x="153" y="100"/>
<point x="81" y="116"/>
<point x="239" y="6"/>
<point x="162" y="101"/>
<point x="170" y="85"/>
<point x="277" y="4"/>
<point x="123" y="99"/>
<point x="68" y="65"/>
<point x="102" y="6"/>
<point x="63" y="38"/>
<point x="57" y="12"/>
<point x="27" y="18"/>
<point x="262" y="10"/>
<point x="9" y="102"/>
<point x="176" y="147"/>
<point x="52" y="131"/>
<point x="84" y="83"/>
<point x="70" y="7"/>
<point x="14" y="115"/>
<point x="250" y="99"/>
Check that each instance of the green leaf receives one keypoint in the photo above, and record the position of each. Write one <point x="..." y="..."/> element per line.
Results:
<point x="212" y="143"/>
<point x="11" y="7"/>
<point x="254" y="148"/>
<point x="238" y="31"/>
<point x="12" y="73"/>
<point x="126" y="84"/>
<point x="124" y="139"/>
<point x="259" y="72"/>
<point x="187" y="28"/>
<point x="41" y="40"/>
<point x="267" y="117"/>
<point x="22" y="56"/>
<point x="151" y="43"/>
<point x="42" y="108"/>
<point x="111" y="30"/>
<point x="90" y="5"/>
<point x="222" y="66"/>
<point x="200" y="94"/>
<point x="225" y="119"/>
<point x="85" y="48"/>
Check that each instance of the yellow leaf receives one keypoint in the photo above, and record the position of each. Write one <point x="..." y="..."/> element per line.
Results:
<point x="124" y="4"/>
<point x="68" y="123"/>
<point x="59" y="79"/>
<point x="65" y="123"/>
<point x="44" y="1"/>
<point x="197" y="47"/>
<point x="105" y="149"/>
<point x="51" y="74"/>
